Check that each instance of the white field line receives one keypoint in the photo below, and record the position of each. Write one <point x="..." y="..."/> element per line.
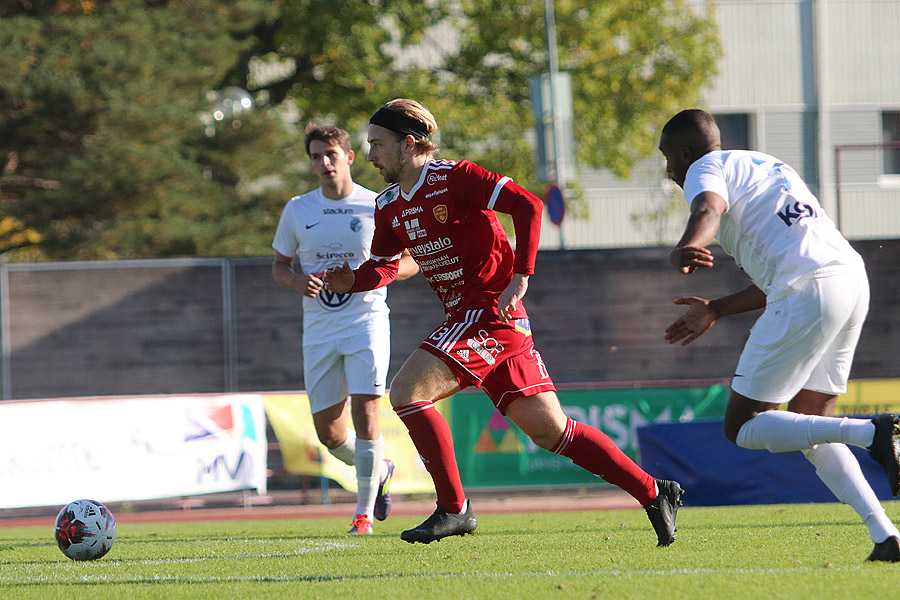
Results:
<point x="107" y="563"/>
<point x="87" y="579"/>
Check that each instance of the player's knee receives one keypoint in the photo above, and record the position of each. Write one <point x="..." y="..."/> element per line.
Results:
<point x="400" y="392"/>
<point x="732" y="429"/>
<point x="544" y="434"/>
<point x="328" y="439"/>
<point x="545" y="440"/>
<point x="739" y="410"/>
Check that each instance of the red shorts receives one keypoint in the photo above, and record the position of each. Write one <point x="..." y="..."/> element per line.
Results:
<point x="498" y="357"/>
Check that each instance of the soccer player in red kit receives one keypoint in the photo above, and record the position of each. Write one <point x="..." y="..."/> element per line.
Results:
<point x="443" y="212"/>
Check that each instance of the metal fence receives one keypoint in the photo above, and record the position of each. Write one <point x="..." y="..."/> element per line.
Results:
<point x="189" y="326"/>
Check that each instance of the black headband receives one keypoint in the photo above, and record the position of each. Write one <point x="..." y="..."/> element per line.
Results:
<point x="399" y="123"/>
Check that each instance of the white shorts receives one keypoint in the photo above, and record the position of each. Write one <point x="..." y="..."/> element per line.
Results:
<point x="806" y="339"/>
<point x="356" y="364"/>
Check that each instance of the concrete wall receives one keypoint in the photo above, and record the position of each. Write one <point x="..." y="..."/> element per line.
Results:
<point x="165" y="326"/>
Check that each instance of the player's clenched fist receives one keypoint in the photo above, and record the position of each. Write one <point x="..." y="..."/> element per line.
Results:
<point x="340" y="279"/>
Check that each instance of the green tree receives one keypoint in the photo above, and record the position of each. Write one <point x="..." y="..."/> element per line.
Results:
<point x="103" y="153"/>
<point x="632" y="65"/>
<point x="102" y="101"/>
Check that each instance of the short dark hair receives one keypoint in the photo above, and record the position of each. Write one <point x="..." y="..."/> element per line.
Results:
<point x="333" y="136"/>
<point x="689" y="123"/>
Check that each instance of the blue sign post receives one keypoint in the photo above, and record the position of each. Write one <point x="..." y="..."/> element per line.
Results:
<point x="556" y="204"/>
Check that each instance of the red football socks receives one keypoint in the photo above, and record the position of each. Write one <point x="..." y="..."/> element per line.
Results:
<point x="431" y="436"/>
<point x="591" y="449"/>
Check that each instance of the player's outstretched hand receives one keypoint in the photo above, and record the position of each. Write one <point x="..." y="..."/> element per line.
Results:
<point x="688" y="258"/>
<point x="340" y="279"/>
<point x="692" y="324"/>
<point x="511" y="296"/>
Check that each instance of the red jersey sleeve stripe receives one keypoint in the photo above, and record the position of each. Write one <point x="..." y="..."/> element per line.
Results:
<point x="496" y="192"/>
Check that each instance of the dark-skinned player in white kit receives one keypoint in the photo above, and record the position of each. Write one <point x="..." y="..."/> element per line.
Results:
<point x="815" y="292"/>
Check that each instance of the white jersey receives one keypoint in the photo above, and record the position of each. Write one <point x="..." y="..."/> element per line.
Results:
<point x="323" y="233"/>
<point x="774" y="227"/>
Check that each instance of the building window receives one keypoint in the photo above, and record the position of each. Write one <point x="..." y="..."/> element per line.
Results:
<point x="735" y="130"/>
<point x="890" y="132"/>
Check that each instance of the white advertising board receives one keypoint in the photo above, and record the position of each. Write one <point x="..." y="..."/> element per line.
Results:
<point x="130" y="448"/>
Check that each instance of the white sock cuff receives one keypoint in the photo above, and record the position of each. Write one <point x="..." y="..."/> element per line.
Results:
<point x="370" y="444"/>
<point x="345" y="451"/>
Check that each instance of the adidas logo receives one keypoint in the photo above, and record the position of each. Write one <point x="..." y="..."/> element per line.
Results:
<point x="463" y="354"/>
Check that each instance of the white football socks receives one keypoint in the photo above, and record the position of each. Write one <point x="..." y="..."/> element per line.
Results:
<point x="346" y="451"/>
<point x="369" y="465"/>
<point x="783" y="431"/>
<point x="838" y="469"/>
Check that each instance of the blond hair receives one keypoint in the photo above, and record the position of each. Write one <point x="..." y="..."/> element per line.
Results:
<point x="414" y="110"/>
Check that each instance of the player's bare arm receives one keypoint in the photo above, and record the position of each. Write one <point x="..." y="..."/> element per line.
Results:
<point x="749" y="298"/>
<point x="512" y="295"/>
<point x="340" y="279"/>
<point x="691" y="253"/>
<point x="307" y="284"/>
<point x="701" y="313"/>
<point x="692" y="324"/>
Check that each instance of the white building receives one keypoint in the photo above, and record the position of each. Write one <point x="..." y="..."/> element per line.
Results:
<point x="813" y="82"/>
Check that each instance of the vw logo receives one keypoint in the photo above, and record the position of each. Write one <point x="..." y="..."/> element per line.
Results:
<point x="333" y="300"/>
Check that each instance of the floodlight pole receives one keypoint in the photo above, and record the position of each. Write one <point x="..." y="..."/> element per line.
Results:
<point x="558" y="163"/>
<point x="823" y="109"/>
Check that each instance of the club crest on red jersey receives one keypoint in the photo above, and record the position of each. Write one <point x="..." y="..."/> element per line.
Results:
<point x="386" y="197"/>
<point x="441" y="213"/>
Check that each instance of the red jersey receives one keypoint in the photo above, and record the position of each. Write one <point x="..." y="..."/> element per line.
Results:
<point x="448" y="224"/>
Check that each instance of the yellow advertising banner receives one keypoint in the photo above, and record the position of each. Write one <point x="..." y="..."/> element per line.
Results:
<point x="870" y="397"/>
<point x="303" y="454"/>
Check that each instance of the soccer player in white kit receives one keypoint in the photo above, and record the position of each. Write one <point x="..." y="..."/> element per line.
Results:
<point x="346" y="337"/>
<point x="815" y="292"/>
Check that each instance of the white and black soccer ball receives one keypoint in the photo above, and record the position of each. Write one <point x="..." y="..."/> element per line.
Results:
<point x="85" y="530"/>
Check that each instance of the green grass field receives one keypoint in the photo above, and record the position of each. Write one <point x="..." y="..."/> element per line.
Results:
<point x="785" y="551"/>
